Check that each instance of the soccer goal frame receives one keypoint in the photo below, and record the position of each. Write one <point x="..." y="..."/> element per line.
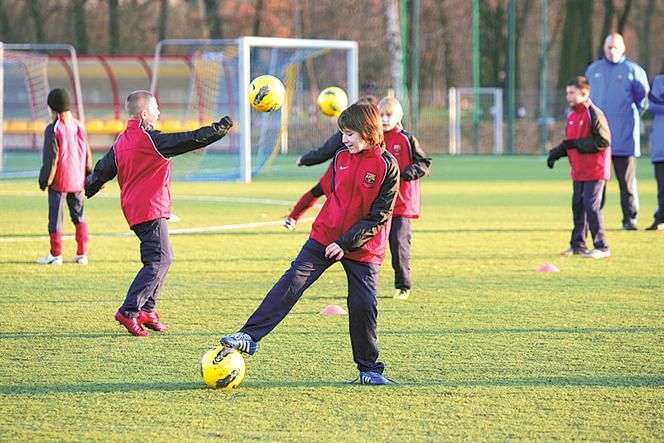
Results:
<point x="244" y="46"/>
<point x="34" y="47"/>
<point x="454" y="108"/>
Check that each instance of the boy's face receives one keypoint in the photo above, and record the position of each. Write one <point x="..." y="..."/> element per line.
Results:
<point x="389" y="119"/>
<point x="150" y="115"/>
<point x="575" y="96"/>
<point x="353" y="141"/>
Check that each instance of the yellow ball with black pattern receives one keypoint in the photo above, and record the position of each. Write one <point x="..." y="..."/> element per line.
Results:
<point x="266" y="93"/>
<point x="332" y="101"/>
<point x="222" y="368"/>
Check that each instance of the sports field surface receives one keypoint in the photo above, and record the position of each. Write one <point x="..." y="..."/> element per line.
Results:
<point x="486" y="348"/>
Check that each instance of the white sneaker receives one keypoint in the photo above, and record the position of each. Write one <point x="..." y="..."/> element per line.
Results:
<point x="597" y="253"/>
<point x="572" y="251"/>
<point x="50" y="260"/>
<point x="81" y="259"/>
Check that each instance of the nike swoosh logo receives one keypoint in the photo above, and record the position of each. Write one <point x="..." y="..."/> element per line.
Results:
<point x="343" y="167"/>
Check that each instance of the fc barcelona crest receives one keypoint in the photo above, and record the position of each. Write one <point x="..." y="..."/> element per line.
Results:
<point x="397" y="149"/>
<point x="370" y="178"/>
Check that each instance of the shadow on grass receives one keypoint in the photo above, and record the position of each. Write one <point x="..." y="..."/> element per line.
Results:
<point x="625" y="381"/>
<point x="173" y="334"/>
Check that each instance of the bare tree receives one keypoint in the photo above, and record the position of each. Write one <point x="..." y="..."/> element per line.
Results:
<point x="447" y="45"/>
<point x="163" y="19"/>
<point x="113" y="27"/>
<point x="645" y="42"/>
<point x="80" y="30"/>
<point x="36" y="9"/>
<point x="212" y="18"/>
<point x="622" y="20"/>
<point x="394" y="45"/>
<point x="257" y="17"/>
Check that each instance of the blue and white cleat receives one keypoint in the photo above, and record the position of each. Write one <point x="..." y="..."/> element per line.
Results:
<point x="240" y="341"/>
<point x="372" y="378"/>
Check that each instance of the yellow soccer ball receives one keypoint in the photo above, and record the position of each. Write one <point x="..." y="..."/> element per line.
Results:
<point x="332" y="101"/>
<point x="266" y="93"/>
<point x="222" y="368"/>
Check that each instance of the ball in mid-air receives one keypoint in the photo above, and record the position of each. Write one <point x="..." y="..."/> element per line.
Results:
<point x="222" y="368"/>
<point x="266" y="93"/>
<point x="332" y="101"/>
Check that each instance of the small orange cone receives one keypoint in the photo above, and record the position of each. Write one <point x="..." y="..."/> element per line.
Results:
<point x="333" y="309"/>
<point x="548" y="267"/>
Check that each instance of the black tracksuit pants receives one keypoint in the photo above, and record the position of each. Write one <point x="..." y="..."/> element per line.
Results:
<point x="587" y="213"/>
<point x="156" y="255"/>
<point x="304" y="271"/>
<point x="400" y="235"/>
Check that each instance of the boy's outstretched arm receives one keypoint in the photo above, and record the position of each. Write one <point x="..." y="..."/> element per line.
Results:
<point x="106" y="169"/>
<point x="323" y="153"/>
<point x="600" y="138"/>
<point x="421" y="165"/>
<point x="381" y="209"/>
<point x="176" y="143"/>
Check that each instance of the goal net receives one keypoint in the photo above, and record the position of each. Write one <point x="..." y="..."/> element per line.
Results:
<point x="27" y="73"/>
<point x="475" y="130"/>
<point x="199" y="81"/>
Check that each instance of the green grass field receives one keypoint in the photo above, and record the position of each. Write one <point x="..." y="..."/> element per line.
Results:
<point x="486" y="348"/>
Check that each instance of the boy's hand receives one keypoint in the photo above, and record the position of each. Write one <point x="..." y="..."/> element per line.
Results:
<point x="298" y="162"/>
<point x="556" y="153"/>
<point x="334" y="251"/>
<point x="223" y="125"/>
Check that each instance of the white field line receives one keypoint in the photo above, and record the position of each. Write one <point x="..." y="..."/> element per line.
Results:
<point x="171" y="231"/>
<point x="207" y="198"/>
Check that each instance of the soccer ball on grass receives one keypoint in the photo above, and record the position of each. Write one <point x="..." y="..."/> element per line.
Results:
<point x="222" y="368"/>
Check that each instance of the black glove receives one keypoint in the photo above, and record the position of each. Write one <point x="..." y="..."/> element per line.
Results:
<point x="90" y="187"/>
<point x="555" y="154"/>
<point x="569" y="144"/>
<point x="223" y="125"/>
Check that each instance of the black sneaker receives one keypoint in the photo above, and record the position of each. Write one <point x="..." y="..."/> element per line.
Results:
<point x="629" y="226"/>
<point x="656" y="226"/>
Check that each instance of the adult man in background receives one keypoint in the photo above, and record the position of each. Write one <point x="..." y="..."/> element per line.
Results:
<point x="619" y="87"/>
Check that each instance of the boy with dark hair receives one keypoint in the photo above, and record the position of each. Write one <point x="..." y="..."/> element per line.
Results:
<point x="66" y="161"/>
<point x="587" y="146"/>
<point x="413" y="164"/>
<point x="352" y="227"/>
<point x="315" y="157"/>
<point x="140" y="157"/>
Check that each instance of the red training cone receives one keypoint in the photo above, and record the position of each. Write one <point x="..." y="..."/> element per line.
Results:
<point x="548" y="267"/>
<point x="333" y="309"/>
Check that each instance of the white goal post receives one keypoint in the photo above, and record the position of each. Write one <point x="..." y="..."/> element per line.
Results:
<point x="456" y="111"/>
<point x="244" y="47"/>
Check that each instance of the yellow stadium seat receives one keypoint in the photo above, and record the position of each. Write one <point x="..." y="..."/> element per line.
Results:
<point x="94" y="126"/>
<point x="18" y="126"/>
<point x="114" y="126"/>
<point x="37" y="126"/>
<point x="5" y="125"/>
<point x="191" y="125"/>
<point x="171" y="126"/>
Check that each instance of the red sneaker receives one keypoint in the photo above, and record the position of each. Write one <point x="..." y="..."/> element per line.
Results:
<point x="151" y="320"/>
<point x="131" y="324"/>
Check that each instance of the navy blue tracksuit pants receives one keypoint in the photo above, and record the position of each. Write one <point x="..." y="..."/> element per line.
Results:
<point x="587" y="213"/>
<point x="304" y="271"/>
<point x="659" y="176"/>
<point x="400" y="234"/>
<point x="156" y="255"/>
<point x="625" y="169"/>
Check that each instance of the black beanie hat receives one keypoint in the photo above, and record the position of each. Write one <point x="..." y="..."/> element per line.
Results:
<point x="58" y="100"/>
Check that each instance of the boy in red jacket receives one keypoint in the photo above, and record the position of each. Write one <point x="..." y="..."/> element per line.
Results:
<point x="413" y="164"/>
<point x="587" y="145"/>
<point x="352" y="227"/>
<point x="66" y="161"/>
<point x="140" y="157"/>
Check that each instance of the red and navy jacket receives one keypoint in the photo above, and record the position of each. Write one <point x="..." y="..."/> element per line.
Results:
<point x="140" y="158"/>
<point x="66" y="159"/>
<point x="359" y="204"/>
<point x="588" y="133"/>
<point x="413" y="164"/>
